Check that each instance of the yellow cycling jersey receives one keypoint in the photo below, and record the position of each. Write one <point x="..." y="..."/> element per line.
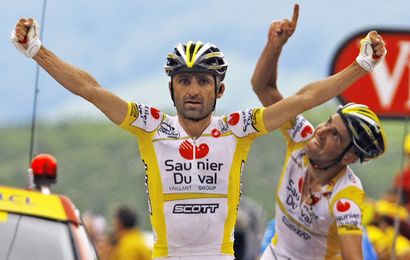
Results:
<point x="193" y="185"/>
<point x="310" y="229"/>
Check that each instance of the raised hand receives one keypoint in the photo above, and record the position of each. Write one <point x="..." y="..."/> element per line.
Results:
<point x="26" y="37"/>
<point x="372" y="51"/>
<point x="281" y="31"/>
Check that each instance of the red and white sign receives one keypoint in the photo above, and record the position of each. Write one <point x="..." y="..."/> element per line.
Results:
<point x="386" y="90"/>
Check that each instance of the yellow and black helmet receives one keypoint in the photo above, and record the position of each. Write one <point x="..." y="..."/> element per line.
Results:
<point x="364" y="126"/>
<point x="196" y="57"/>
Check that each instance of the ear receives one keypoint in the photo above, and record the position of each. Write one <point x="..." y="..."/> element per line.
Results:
<point x="170" y="87"/>
<point x="349" y="158"/>
<point x="221" y="90"/>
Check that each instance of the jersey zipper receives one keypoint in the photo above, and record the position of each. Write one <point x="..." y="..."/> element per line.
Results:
<point x="194" y="156"/>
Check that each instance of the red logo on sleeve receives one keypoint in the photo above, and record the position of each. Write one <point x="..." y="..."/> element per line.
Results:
<point x="186" y="150"/>
<point x="215" y="133"/>
<point x="155" y="113"/>
<point x="342" y="207"/>
<point x="307" y="130"/>
<point x="233" y="119"/>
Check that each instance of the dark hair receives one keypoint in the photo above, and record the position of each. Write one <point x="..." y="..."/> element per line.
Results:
<point x="127" y="217"/>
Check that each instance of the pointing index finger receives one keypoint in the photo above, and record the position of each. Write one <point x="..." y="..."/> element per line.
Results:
<point x="295" y="15"/>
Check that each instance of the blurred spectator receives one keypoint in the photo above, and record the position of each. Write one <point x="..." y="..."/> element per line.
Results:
<point x="130" y="241"/>
<point x="96" y="226"/>
<point x="402" y="179"/>
<point x="248" y="229"/>
<point x="378" y="217"/>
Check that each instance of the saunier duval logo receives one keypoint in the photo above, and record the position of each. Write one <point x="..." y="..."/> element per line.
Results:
<point x="207" y="180"/>
<point x="168" y="130"/>
<point x="194" y="172"/>
<point x="195" y="208"/>
<point x="186" y="150"/>
<point x="342" y="206"/>
<point x="293" y="199"/>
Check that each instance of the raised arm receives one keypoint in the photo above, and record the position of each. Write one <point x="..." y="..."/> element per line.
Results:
<point x="25" y="38"/>
<point x="265" y="74"/>
<point x="321" y="91"/>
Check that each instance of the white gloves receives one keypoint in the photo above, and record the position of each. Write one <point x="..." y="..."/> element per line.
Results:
<point x="31" y="44"/>
<point x="366" y="58"/>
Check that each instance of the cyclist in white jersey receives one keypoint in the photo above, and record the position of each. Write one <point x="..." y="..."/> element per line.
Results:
<point x="319" y="198"/>
<point x="194" y="160"/>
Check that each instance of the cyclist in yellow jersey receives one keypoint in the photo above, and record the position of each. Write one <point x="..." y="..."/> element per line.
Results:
<point x="319" y="198"/>
<point x="194" y="160"/>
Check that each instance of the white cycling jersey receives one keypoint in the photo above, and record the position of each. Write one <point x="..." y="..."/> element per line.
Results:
<point x="311" y="229"/>
<point x="193" y="185"/>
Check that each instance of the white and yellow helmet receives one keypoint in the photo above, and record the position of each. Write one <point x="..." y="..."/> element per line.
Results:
<point x="196" y="57"/>
<point x="368" y="138"/>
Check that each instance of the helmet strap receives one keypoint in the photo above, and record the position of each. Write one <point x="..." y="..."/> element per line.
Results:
<point x="172" y="91"/>
<point x="332" y="163"/>
<point x="216" y="93"/>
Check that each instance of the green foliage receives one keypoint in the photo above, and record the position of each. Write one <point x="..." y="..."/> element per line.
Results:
<point x="100" y="167"/>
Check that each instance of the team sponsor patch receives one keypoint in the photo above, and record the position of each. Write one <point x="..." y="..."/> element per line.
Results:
<point x="215" y="133"/>
<point x="242" y="123"/>
<point x="155" y="113"/>
<point x="300" y="129"/>
<point x="347" y="213"/>
<point x="195" y="208"/>
<point x="247" y="120"/>
<point x="233" y="119"/>
<point x="148" y="119"/>
<point x="301" y="233"/>
<point x="168" y="130"/>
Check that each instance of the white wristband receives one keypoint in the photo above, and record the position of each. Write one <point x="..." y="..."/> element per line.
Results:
<point x="365" y="58"/>
<point x="32" y="43"/>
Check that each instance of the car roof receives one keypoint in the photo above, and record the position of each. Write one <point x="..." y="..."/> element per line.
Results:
<point x="35" y="203"/>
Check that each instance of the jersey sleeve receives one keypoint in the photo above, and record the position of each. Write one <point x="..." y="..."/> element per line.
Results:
<point x="346" y="208"/>
<point x="297" y="131"/>
<point x="141" y="117"/>
<point x="247" y="122"/>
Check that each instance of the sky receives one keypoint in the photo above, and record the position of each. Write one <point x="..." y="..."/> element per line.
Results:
<point x="124" y="43"/>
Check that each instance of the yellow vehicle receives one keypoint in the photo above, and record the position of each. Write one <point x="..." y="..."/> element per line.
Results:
<point x="35" y="224"/>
